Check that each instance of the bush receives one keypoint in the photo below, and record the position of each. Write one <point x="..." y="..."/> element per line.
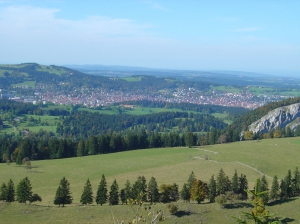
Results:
<point x="221" y="199"/>
<point x="172" y="208"/>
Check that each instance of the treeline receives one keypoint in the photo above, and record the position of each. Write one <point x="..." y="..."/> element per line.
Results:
<point x="43" y="145"/>
<point x="85" y="124"/>
<point x="233" y="112"/>
<point x="17" y="108"/>
<point x="220" y="189"/>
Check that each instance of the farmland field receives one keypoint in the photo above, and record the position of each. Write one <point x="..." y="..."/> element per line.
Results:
<point x="26" y="83"/>
<point x="168" y="165"/>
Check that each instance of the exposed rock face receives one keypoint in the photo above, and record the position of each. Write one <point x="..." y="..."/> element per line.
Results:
<point x="278" y="118"/>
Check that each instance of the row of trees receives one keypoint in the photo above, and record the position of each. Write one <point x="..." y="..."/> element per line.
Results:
<point x="220" y="189"/>
<point x="38" y="147"/>
<point x="22" y="193"/>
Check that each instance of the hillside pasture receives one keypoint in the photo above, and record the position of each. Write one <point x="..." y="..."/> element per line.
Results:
<point x="168" y="165"/>
<point x="25" y="83"/>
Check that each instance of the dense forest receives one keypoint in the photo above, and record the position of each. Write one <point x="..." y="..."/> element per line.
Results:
<point x="82" y="123"/>
<point x="81" y="133"/>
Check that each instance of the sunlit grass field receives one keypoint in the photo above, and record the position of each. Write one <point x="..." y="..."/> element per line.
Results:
<point x="168" y="165"/>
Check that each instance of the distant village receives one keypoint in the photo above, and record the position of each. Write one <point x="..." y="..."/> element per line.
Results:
<point x="99" y="97"/>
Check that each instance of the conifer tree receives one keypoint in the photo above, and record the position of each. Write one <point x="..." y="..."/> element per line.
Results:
<point x="10" y="197"/>
<point x="139" y="187"/>
<point x="296" y="183"/>
<point x="3" y="192"/>
<point x="264" y="187"/>
<point x="127" y="191"/>
<point x="243" y="186"/>
<point x="114" y="194"/>
<point x="235" y="183"/>
<point x="24" y="190"/>
<point x="185" y="193"/>
<point x="123" y="197"/>
<point x="274" y="192"/>
<point x="101" y="197"/>
<point x="212" y="189"/>
<point x="63" y="194"/>
<point x="286" y="186"/>
<point x="221" y="183"/>
<point x="191" y="180"/>
<point x="87" y="194"/>
<point x="153" y="195"/>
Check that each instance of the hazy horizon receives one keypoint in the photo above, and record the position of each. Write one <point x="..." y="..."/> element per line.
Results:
<point x="250" y="36"/>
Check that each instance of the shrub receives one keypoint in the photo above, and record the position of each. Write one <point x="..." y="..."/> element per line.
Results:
<point x="172" y="208"/>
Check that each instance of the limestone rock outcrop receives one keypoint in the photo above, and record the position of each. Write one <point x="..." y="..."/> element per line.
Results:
<point x="287" y="116"/>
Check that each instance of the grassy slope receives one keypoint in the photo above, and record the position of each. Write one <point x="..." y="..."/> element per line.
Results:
<point x="168" y="165"/>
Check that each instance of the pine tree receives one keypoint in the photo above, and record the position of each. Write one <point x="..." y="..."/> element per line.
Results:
<point x="286" y="189"/>
<point x="153" y="195"/>
<point x="274" y="192"/>
<point x="185" y="193"/>
<point x="127" y="191"/>
<point x="10" y="197"/>
<point x="3" y="192"/>
<point x="24" y="191"/>
<point x="123" y="196"/>
<point x="221" y="183"/>
<point x="87" y="194"/>
<point x="190" y="181"/>
<point x="114" y="194"/>
<point x="140" y="187"/>
<point x="212" y="189"/>
<point x="101" y="197"/>
<point x="264" y="187"/>
<point x="235" y="183"/>
<point x="63" y="194"/>
<point x="243" y="186"/>
<point x="296" y="183"/>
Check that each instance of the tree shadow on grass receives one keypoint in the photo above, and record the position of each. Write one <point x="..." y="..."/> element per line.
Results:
<point x="279" y="202"/>
<point x="182" y="213"/>
<point x="287" y="220"/>
<point x="238" y="205"/>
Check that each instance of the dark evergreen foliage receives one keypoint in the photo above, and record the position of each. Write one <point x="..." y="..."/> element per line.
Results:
<point x="87" y="194"/>
<point x="101" y="197"/>
<point x="114" y="194"/>
<point x="24" y="191"/>
<point x="275" y="191"/>
<point x="212" y="189"/>
<point x="3" y="192"/>
<point x="63" y="194"/>
<point x="10" y="191"/>
<point x="153" y="194"/>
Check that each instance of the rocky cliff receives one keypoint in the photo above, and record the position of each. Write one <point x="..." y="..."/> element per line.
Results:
<point x="278" y="118"/>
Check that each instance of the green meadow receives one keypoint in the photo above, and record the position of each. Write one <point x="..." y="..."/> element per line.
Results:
<point x="26" y="83"/>
<point x="48" y="123"/>
<point x="168" y="165"/>
<point x="132" y="78"/>
<point x="227" y="89"/>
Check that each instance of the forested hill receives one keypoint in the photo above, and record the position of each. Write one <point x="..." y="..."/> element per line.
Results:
<point x="67" y="79"/>
<point x="241" y="124"/>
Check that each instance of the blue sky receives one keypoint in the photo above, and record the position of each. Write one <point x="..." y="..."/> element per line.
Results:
<point x="255" y="36"/>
